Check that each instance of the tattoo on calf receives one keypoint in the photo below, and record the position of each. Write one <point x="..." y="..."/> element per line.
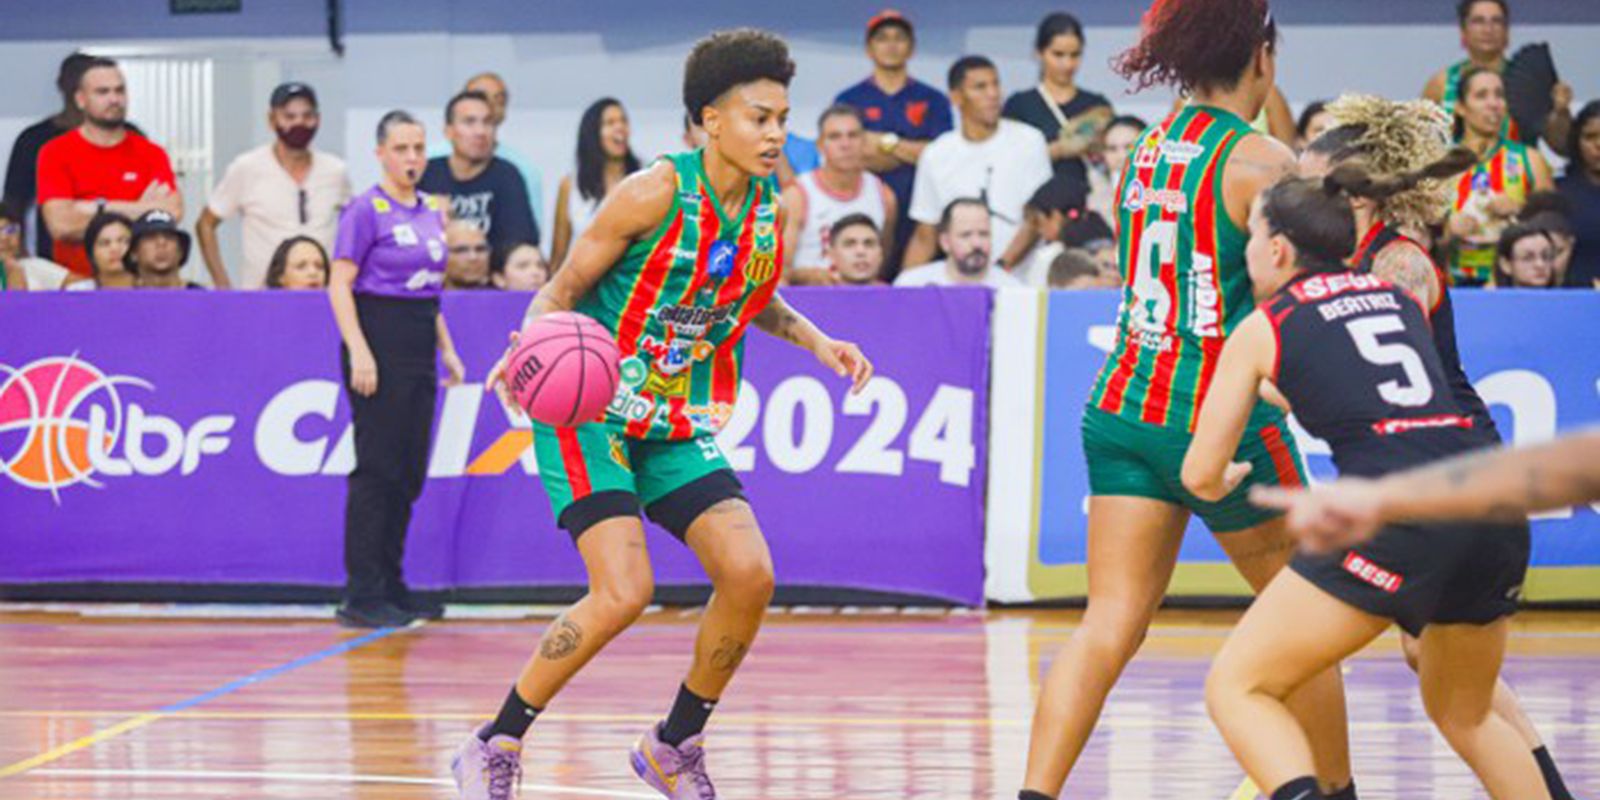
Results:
<point x="729" y="655"/>
<point x="561" y="640"/>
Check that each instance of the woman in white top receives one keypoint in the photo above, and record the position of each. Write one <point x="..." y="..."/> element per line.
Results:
<point x="604" y="159"/>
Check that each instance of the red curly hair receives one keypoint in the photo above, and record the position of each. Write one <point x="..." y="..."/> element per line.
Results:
<point x="1197" y="45"/>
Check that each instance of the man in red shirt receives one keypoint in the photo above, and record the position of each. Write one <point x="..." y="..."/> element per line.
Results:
<point x="101" y="166"/>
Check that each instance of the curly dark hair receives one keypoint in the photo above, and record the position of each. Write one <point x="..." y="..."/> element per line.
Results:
<point x="727" y="59"/>
<point x="1197" y="44"/>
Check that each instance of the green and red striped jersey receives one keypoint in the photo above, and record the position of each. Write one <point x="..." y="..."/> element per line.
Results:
<point x="1185" y="284"/>
<point x="679" y="303"/>
<point x="1506" y="170"/>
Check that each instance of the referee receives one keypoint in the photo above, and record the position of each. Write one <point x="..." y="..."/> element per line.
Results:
<point x="388" y="269"/>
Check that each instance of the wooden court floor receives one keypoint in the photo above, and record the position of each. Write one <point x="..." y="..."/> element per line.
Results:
<point x="829" y="705"/>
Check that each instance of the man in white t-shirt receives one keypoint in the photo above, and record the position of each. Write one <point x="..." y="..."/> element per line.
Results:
<point x="280" y="190"/>
<point x="839" y="188"/>
<point x="999" y="161"/>
<point x="964" y="234"/>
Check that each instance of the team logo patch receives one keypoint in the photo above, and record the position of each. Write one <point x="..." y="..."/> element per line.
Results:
<point x="720" y="257"/>
<point x="435" y="250"/>
<point x="761" y="267"/>
<point x="619" y="453"/>
<point x="1359" y="566"/>
<point x="917" y="112"/>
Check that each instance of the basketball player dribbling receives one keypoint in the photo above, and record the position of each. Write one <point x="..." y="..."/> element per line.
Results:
<point x="679" y="261"/>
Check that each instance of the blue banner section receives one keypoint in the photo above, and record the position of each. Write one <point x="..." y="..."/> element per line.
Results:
<point x="1534" y="356"/>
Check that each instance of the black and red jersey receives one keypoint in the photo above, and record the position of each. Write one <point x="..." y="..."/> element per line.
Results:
<point x="1358" y="363"/>
<point x="1441" y="319"/>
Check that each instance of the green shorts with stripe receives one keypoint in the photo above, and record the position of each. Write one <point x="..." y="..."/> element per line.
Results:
<point x="1128" y="458"/>
<point x="594" y="472"/>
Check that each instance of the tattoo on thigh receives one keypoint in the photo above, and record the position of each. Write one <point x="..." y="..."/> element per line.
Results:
<point x="561" y="640"/>
<point x="729" y="655"/>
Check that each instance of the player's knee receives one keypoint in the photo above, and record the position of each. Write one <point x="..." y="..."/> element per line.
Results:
<point x="1114" y="630"/>
<point x="620" y="603"/>
<point x="1454" y="718"/>
<point x="746" y="580"/>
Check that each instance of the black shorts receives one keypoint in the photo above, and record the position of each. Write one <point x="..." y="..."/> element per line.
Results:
<point x="1455" y="573"/>
<point x="675" y="512"/>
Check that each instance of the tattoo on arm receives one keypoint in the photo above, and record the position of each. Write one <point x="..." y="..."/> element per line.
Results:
<point x="1408" y="269"/>
<point x="561" y="640"/>
<point x="729" y="654"/>
<point x="779" y="320"/>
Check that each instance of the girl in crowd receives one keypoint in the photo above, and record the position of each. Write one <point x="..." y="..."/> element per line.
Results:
<point x="1070" y="117"/>
<point x="1489" y="196"/>
<point x="107" y="240"/>
<point x="604" y="159"/>
<point x="520" y="269"/>
<point x="298" y="263"/>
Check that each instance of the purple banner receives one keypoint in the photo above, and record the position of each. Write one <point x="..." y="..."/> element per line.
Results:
<point x="204" y="438"/>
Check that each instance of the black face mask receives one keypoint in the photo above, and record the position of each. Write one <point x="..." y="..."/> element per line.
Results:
<point x="297" y="137"/>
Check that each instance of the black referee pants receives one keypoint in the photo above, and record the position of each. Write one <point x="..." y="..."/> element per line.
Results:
<point x="393" y="429"/>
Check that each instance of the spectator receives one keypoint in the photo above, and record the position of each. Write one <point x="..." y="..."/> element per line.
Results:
<point x="998" y="161"/>
<point x="483" y="188"/>
<point x="299" y="262"/>
<point x="521" y="269"/>
<point x="493" y="87"/>
<point x="1559" y="229"/>
<point x="1527" y="259"/>
<point x="1077" y="269"/>
<point x="21" y="272"/>
<point x="1489" y="195"/>
<point x="22" y="173"/>
<point x="604" y="159"/>
<point x="1314" y="120"/>
<point x="157" y="249"/>
<point x="902" y="115"/>
<point x="101" y="165"/>
<point x="1486" y="35"/>
<point x="468" y="264"/>
<point x="281" y="190"/>
<point x="841" y="187"/>
<point x="855" y="251"/>
<point x="388" y="268"/>
<point x="106" y="240"/>
<point x="1093" y="235"/>
<point x="1581" y="186"/>
<point x="1120" y="138"/>
<point x="964" y="235"/>
<point x="800" y="155"/>
<point x="1071" y="119"/>
<point x="1060" y="200"/>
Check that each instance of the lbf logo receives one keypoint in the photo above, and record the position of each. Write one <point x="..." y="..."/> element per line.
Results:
<point x="62" y="420"/>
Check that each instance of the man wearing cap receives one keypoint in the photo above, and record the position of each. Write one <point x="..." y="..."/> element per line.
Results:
<point x="156" y="252"/>
<point x="901" y="114"/>
<point x="280" y="190"/>
<point x="101" y="165"/>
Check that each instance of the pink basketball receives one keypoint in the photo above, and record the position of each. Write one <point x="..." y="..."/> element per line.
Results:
<point x="564" y="369"/>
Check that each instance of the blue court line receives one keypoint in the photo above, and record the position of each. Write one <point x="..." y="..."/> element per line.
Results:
<point x="141" y="720"/>
<point x="273" y="672"/>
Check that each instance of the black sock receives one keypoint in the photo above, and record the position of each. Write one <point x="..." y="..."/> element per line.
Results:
<point x="1552" y="776"/>
<point x="1029" y="794"/>
<point x="687" y="718"/>
<point x="1299" y="789"/>
<point x="514" y="718"/>
<point x="1347" y="793"/>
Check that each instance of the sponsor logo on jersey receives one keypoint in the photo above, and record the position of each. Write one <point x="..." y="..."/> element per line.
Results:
<point x="1137" y="196"/>
<point x="405" y="235"/>
<point x="1205" y="300"/>
<point x="1389" y="427"/>
<point x="1321" y="286"/>
<point x="619" y="452"/>
<point x="1364" y="570"/>
<point x="1180" y="153"/>
<point x="720" y="258"/>
<point x="692" y="321"/>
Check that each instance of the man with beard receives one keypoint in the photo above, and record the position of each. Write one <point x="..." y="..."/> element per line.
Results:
<point x="281" y="190"/>
<point x="101" y="166"/>
<point x="964" y="236"/>
<point x="483" y="188"/>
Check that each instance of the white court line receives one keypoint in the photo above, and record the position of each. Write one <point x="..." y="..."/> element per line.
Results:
<point x="310" y="777"/>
